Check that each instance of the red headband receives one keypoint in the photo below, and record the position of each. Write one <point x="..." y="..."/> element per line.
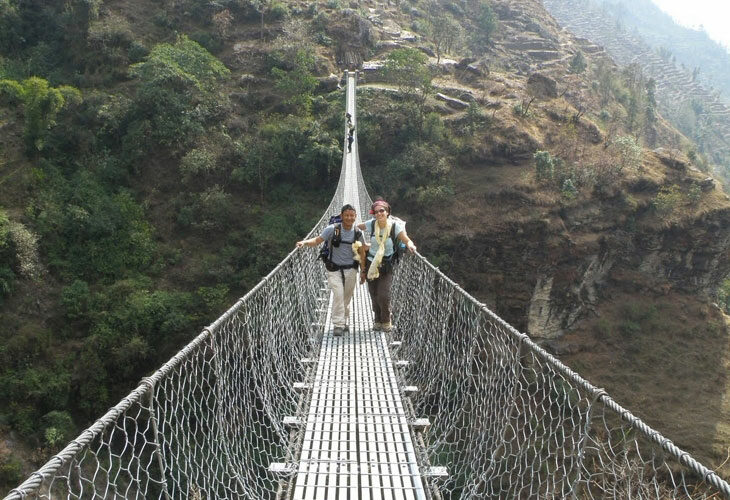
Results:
<point x="380" y="203"/>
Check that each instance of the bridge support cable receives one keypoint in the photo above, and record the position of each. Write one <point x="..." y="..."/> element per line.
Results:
<point x="502" y="417"/>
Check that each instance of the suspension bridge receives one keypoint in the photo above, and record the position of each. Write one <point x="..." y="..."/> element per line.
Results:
<point x="454" y="403"/>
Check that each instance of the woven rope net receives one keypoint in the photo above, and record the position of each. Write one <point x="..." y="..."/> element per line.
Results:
<point x="508" y="420"/>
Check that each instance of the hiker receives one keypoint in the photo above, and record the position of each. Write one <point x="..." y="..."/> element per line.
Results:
<point x="350" y="138"/>
<point x="381" y="259"/>
<point x="349" y="120"/>
<point x="346" y="254"/>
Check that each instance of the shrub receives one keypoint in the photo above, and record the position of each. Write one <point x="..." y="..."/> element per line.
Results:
<point x="7" y="257"/>
<point x="486" y="23"/>
<point x="214" y="298"/>
<point x="694" y="194"/>
<point x="209" y="210"/>
<point x="178" y="93"/>
<point x="278" y="11"/>
<point x="408" y="69"/>
<point x="568" y="189"/>
<point x="137" y="51"/>
<point x="11" y="471"/>
<point x="75" y="299"/>
<point x="427" y="195"/>
<point x="26" y="251"/>
<point x="578" y="63"/>
<point x="544" y="166"/>
<point x="723" y="296"/>
<point x="197" y="163"/>
<point x="41" y="104"/>
<point x="667" y="201"/>
<point x="629" y="150"/>
<point x="58" y="428"/>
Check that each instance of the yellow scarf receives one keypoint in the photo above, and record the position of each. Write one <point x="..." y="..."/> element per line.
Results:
<point x="380" y="237"/>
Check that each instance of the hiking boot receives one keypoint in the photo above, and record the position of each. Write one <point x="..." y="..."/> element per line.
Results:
<point x="345" y="329"/>
<point x="337" y="331"/>
<point x="386" y="327"/>
<point x="377" y="327"/>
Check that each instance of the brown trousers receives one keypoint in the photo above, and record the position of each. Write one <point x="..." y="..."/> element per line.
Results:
<point x="379" y="290"/>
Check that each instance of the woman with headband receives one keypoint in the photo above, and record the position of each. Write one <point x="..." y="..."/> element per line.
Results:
<point x="384" y="231"/>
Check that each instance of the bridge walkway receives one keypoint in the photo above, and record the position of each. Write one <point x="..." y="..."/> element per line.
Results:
<point x="357" y="440"/>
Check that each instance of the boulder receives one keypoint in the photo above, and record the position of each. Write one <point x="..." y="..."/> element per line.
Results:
<point x="672" y="158"/>
<point x="707" y="184"/>
<point x="452" y="102"/>
<point x="329" y="83"/>
<point x="542" y="85"/>
<point x="466" y="62"/>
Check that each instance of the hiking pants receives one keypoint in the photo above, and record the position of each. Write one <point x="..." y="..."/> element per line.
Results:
<point x="380" y="297"/>
<point x="342" y="294"/>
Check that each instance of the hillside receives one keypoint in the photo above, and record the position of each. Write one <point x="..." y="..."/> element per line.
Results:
<point x="690" y="71"/>
<point x="194" y="142"/>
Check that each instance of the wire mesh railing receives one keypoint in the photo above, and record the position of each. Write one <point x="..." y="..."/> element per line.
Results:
<point x="508" y="420"/>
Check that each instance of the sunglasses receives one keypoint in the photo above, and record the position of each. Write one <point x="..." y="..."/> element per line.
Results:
<point x="379" y="211"/>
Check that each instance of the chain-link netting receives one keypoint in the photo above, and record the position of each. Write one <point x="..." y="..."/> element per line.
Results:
<point x="508" y="420"/>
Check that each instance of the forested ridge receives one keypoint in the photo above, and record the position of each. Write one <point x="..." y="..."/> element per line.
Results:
<point x="145" y="186"/>
<point x="158" y="159"/>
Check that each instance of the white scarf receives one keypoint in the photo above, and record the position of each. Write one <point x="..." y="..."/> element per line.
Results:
<point x="380" y="237"/>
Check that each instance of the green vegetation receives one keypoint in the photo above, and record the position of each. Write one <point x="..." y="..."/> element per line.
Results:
<point x="41" y="105"/>
<point x="7" y="258"/>
<point x="147" y="207"/>
<point x="669" y="201"/>
<point x="578" y="64"/>
<point x="407" y="69"/>
<point x="416" y="152"/>
<point x="443" y="30"/>
<point x="174" y="79"/>
<point x="723" y="296"/>
<point x="297" y="84"/>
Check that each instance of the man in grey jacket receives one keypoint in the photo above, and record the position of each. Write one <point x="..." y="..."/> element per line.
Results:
<point x="346" y="253"/>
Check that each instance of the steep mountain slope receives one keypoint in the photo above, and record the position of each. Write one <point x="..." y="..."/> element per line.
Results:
<point x="522" y="174"/>
<point x="634" y="34"/>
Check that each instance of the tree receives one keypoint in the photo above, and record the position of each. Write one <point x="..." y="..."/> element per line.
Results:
<point x="442" y="30"/>
<point x="41" y="104"/>
<point x="261" y="7"/>
<point x="178" y="93"/>
<point x="297" y="84"/>
<point x="578" y="64"/>
<point x="222" y="21"/>
<point x="407" y="68"/>
<point x="486" y="23"/>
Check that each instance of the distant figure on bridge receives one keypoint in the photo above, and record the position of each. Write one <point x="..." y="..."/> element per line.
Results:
<point x="346" y="253"/>
<point x="349" y="120"/>
<point x="350" y="138"/>
<point x="385" y="234"/>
